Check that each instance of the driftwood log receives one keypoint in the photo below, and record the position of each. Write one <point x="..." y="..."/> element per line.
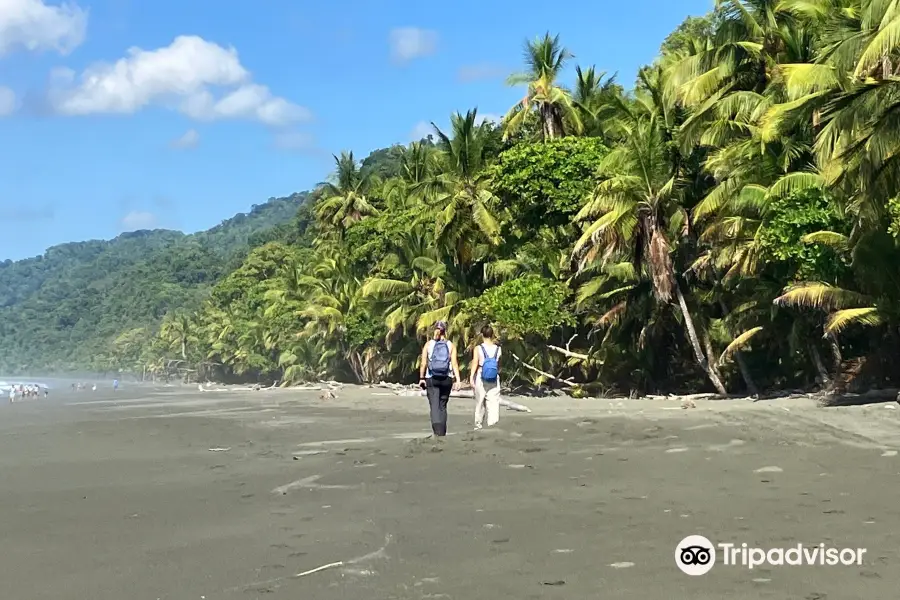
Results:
<point x="846" y="399"/>
<point x="544" y="373"/>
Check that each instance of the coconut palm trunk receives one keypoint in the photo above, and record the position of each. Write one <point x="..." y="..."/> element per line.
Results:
<point x="695" y="343"/>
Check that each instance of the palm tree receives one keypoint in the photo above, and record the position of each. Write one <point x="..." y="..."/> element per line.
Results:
<point x="594" y="99"/>
<point x="344" y="200"/>
<point x="331" y="298"/>
<point x="460" y="194"/>
<point x="428" y="291"/>
<point x="177" y="331"/>
<point x="420" y="164"/>
<point x="545" y="59"/>
<point x="637" y="212"/>
<point x="743" y="54"/>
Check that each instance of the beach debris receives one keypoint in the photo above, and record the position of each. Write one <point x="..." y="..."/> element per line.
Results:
<point x="568" y="352"/>
<point x="514" y="406"/>
<point x="309" y="482"/>
<point x="300" y="453"/>
<point x="218" y="449"/>
<point x="674" y="450"/>
<point x="889" y="453"/>
<point x="530" y="367"/>
<point x="327" y="395"/>
<point x="377" y="554"/>
<point x="769" y="470"/>
<point x="688" y="404"/>
<point x="621" y="565"/>
<point x="556" y="582"/>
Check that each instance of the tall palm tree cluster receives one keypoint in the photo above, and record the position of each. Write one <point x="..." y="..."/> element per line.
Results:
<point x="730" y="223"/>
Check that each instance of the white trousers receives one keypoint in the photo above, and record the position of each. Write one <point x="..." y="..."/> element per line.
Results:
<point x="487" y="399"/>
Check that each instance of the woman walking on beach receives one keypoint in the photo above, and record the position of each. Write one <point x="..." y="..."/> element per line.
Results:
<point x="486" y="378"/>
<point x="439" y="375"/>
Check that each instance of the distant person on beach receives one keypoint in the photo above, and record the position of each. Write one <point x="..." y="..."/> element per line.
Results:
<point x="439" y="375"/>
<point x="115" y="384"/>
<point x="12" y="393"/>
<point x="486" y="378"/>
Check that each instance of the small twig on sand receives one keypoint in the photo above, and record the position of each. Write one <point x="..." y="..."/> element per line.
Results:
<point x="366" y="557"/>
<point x="544" y="373"/>
<point x="339" y="563"/>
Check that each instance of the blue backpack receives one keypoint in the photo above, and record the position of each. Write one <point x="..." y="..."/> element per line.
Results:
<point x="490" y="369"/>
<point x="439" y="362"/>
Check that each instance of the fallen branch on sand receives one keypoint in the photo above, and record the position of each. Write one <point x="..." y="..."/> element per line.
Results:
<point x="514" y="406"/>
<point x="544" y="373"/>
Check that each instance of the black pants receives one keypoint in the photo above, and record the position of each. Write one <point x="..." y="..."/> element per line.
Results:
<point x="438" y="390"/>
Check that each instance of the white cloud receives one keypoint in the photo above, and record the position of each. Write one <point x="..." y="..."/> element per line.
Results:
<point x="183" y="76"/>
<point x="422" y="130"/>
<point x="7" y="101"/>
<point x="37" y="26"/>
<point x="477" y="72"/>
<point x="190" y="139"/>
<point x="249" y="101"/>
<point x="137" y="220"/>
<point x="294" y="141"/>
<point x="408" y="43"/>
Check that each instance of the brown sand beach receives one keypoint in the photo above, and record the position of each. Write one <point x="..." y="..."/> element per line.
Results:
<point x="170" y="493"/>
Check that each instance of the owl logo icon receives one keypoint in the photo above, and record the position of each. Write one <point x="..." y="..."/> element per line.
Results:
<point x="695" y="555"/>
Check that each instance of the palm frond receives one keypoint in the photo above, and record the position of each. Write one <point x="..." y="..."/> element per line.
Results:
<point x="738" y="344"/>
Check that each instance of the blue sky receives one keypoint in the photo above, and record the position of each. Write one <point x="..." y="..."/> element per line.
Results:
<point x="118" y="115"/>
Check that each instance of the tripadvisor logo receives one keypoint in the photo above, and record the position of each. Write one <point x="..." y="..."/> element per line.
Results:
<point x="696" y="555"/>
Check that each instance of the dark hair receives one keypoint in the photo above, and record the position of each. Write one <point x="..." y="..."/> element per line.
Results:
<point x="487" y="331"/>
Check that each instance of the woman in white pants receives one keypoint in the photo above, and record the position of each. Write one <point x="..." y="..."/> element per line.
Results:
<point x="486" y="382"/>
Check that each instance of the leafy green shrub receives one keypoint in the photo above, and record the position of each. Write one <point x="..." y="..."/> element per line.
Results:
<point x="529" y="305"/>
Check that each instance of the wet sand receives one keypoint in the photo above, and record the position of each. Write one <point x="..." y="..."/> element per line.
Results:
<point x="170" y="493"/>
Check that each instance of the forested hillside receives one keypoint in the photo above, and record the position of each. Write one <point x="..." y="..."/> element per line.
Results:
<point x="62" y="311"/>
<point x="729" y="223"/>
